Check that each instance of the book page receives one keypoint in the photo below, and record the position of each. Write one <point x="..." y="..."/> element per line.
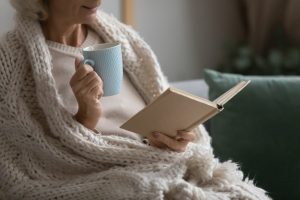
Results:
<point x="172" y="111"/>
<point x="224" y="98"/>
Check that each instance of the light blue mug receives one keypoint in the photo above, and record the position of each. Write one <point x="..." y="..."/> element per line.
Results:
<point x="106" y="59"/>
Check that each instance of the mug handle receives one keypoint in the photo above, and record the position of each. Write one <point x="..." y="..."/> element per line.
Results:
<point x="89" y="62"/>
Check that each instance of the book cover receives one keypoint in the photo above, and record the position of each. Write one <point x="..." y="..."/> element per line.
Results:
<point x="177" y="110"/>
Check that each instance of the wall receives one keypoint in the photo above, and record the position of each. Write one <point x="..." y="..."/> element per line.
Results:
<point x="186" y="35"/>
<point x="6" y="16"/>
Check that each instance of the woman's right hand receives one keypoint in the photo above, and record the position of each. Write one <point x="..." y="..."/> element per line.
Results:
<point x="87" y="87"/>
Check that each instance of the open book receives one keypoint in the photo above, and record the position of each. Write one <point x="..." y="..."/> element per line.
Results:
<point x="178" y="110"/>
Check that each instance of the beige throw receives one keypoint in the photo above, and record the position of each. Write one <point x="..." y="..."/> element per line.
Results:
<point x="46" y="154"/>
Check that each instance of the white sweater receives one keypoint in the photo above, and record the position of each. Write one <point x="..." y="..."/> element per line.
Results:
<point x="115" y="109"/>
<point x="46" y="154"/>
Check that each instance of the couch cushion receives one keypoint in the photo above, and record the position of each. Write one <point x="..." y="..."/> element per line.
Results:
<point x="260" y="129"/>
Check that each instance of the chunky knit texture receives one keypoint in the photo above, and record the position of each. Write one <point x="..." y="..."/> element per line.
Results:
<point x="46" y="154"/>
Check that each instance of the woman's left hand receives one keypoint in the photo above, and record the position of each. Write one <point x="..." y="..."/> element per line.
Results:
<point x="179" y="143"/>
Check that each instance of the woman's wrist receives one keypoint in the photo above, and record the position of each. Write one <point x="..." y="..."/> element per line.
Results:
<point x="87" y="122"/>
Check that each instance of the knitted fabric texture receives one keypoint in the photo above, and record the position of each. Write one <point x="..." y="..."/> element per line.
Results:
<point x="46" y="154"/>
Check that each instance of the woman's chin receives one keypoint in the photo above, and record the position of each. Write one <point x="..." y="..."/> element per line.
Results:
<point x="87" y="18"/>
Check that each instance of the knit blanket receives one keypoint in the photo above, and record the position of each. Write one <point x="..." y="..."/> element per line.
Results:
<point x="46" y="154"/>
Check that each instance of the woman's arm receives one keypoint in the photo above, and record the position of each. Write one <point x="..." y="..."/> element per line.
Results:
<point x="87" y="87"/>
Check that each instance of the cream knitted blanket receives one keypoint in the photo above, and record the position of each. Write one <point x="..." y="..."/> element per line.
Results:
<point x="45" y="154"/>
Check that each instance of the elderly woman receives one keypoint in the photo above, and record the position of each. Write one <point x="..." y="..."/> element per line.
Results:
<point x="50" y="111"/>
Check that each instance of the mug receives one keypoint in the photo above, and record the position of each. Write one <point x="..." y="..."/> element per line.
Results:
<point x="106" y="59"/>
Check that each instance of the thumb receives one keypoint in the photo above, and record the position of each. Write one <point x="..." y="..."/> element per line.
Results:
<point x="77" y="63"/>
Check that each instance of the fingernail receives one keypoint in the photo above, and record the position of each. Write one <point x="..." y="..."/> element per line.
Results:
<point x="178" y="138"/>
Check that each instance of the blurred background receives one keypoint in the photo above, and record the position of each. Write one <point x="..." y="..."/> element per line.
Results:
<point x="239" y="36"/>
<point x="185" y="35"/>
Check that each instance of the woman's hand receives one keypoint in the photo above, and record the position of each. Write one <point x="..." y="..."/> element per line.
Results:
<point x="87" y="87"/>
<point x="179" y="143"/>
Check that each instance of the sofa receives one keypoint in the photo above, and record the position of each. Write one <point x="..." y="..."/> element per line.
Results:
<point x="259" y="128"/>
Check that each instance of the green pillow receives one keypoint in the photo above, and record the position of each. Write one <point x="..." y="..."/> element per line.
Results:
<point x="260" y="129"/>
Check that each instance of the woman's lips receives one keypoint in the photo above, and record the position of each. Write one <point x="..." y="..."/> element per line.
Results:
<point x="91" y="8"/>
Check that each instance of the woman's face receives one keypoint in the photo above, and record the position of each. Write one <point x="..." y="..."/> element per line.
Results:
<point x="74" y="11"/>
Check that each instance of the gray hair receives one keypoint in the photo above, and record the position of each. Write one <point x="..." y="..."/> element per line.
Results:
<point x="33" y="9"/>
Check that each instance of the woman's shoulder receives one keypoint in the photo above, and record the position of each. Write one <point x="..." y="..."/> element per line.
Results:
<point x="10" y="48"/>
<point x="10" y="40"/>
<point x="7" y="44"/>
<point x="11" y="53"/>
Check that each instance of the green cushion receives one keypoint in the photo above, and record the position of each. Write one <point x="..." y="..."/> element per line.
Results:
<point x="260" y="129"/>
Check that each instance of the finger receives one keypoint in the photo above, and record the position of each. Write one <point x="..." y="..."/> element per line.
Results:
<point x="90" y="78"/>
<point x="81" y="72"/>
<point x="186" y="135"/>
<point x="93" y="89"/>
<point x="94" y="83"/>
<point x="97" y="92"/>
<point x="77" y="63"/>
<point x="95" y="96"/>
<point x="85" y="86"/>
<point x="173" y="144"/>
<point x="155" y="143"/>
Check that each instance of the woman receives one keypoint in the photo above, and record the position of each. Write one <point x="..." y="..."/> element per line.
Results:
<point x="49" y="145"/>
<point x="65" y="29"/>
